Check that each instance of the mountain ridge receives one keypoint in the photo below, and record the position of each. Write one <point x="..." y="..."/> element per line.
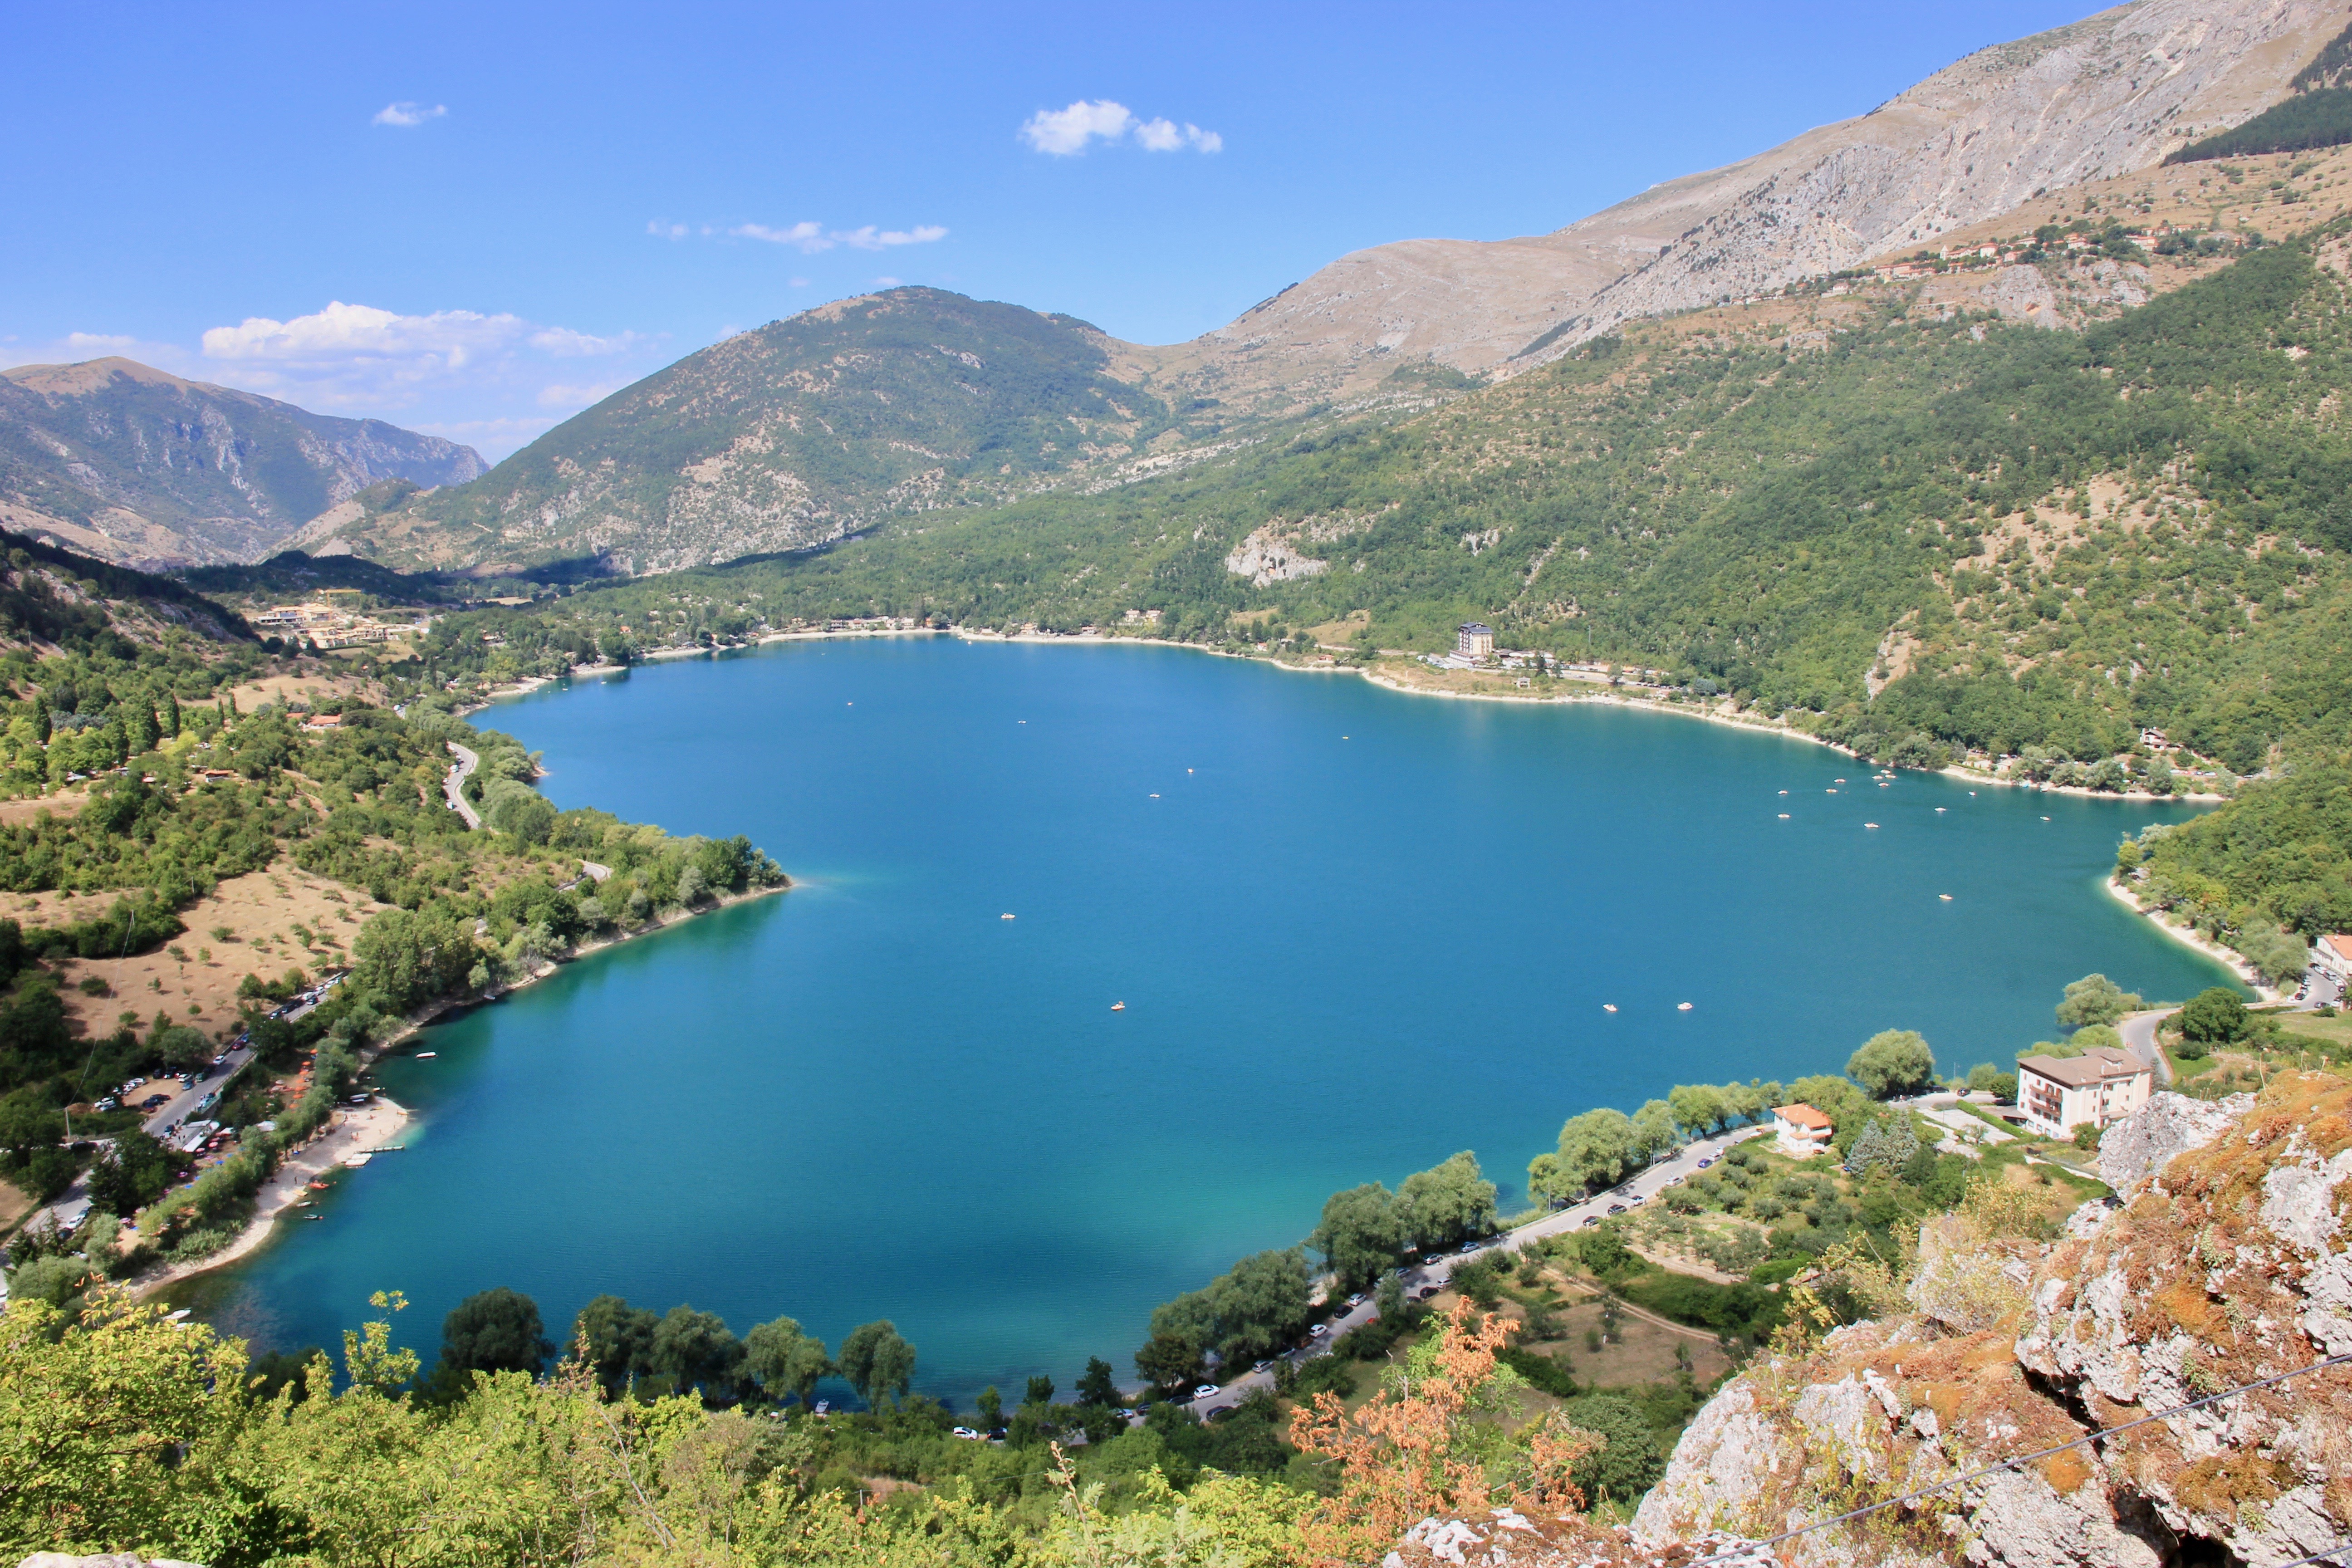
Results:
<point x="135" y="465"/>
<point x="2065" y="105"/>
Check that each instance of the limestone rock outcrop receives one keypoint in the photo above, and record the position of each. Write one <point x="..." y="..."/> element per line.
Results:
<point x="2224" y="1263"/>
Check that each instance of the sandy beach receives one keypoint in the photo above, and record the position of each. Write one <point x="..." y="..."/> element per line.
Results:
<point x="351" y="1130"/>
<point x="2188" y="938"/>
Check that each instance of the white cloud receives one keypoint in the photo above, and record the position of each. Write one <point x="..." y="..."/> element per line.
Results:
<point x="406" y="113"/>
<point x="1063" y="131"/>
<point x="809" y="237"/>
<point x="799" y="283"/>
<point x="460" y="371"/>
<point x="812" y="238"/>
<point x="667" y="230"/>
<point x="888" y="282"/>
<point x="1066" y="132"/>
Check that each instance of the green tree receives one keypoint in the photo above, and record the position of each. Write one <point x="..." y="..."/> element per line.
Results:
<point x="697" y="1349"/>
<point x="495" y="1331"/>
<point x="2095" y="999"/>
<point x="1169" y="1361"/>
<point x="1653" y="1130"/>
<point x="27" y="1124"/>
<point x="2214" y="1017"/>
<point x="990" y="1405"/>
<point x="1596" y="1148"/>
<point x="785" y="1360"/>
<point x="618" y="1338"/>
<point x="1098" y="1386"/>
<point x="1362" y="1233"/>
<point x="1701" y="1107"/>
<point x="1040" y="1390"/>
<point x="1627" y="1462"/>
<point x="1893" y="1062"/>
<point x="877" y="1361"/>
<point x="1448" y="1203"/>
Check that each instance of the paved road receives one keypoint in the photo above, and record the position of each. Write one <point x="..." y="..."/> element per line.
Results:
<point x="454" y="786"/>
<point x="69" y="1207"/>
<point x="1437" y="1270"/>
<point x="2138" y="1031"/>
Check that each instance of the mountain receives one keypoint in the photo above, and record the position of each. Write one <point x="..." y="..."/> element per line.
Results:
<point x="52" y="598"/>
<point x="788" y="436"/>
<point x="916" y="400"/>
<point x="2115" y="92"/>
<point x="128" y="463"/>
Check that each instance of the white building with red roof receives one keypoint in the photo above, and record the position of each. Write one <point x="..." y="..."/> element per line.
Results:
<point x="1804" y="1132"/>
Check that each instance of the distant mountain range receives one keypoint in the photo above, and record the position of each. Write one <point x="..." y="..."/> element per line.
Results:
<point x="914" y="400"/>
<point x="130" y="464"/>
<point x="891" y="405"/>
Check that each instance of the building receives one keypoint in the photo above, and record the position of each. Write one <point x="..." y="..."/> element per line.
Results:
<point x="1804" y="1132"/>
<point x="2058" y="1094"/>
<point x="1474" y="641"/>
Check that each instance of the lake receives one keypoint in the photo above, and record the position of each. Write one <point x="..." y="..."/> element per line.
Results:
<point x="1354" y="932"/>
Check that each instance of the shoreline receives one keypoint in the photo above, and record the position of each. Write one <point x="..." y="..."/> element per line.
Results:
<point x="2224" y="956"/>
<point x="1605" y="694"/>
<point x="365" y="1126"/>
<point x="370" y="1126"/>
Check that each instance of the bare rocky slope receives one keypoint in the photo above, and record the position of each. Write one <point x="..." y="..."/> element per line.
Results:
<point x="132" y="464"/>
<point x="2112" y="93"/>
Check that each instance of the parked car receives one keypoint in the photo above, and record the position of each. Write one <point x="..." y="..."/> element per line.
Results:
<point x="1616" y="1208"/>
<point x="1319" y="1331"/>
<point x="360" y="1099"/>
<point x="966" y="1433"/>
<point x="1703" y="1164"/>
<point x="1425" y="1293"/>
<point x="1591" y="1220"/>
<point x="1206" y="1391"/>
<point x="1674" y="1181"/>
<point x="1260" y="1365"/>
<point x="155" y="1102"/>
<point x="1357" y="1299"/>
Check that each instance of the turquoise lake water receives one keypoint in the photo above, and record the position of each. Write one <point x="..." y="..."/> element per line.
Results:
<point x="1355" y="932"/>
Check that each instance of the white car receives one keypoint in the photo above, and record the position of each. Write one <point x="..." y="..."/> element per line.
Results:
<point x="1206" y="1391"/>
<point x="966" y="1433"/>
<point x="1319" y="1330"/>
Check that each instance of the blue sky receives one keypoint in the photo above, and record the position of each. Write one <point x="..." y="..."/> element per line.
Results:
<point x="518" y="208"/>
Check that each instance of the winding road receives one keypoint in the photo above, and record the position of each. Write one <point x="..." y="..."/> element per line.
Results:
<point x="454" y="786"/>
<point x="1628" y="1194"/>
<point x="2138" y="1031"/>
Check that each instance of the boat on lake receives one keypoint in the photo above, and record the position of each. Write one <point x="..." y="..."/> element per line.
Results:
<point x="1118" y="1006"/>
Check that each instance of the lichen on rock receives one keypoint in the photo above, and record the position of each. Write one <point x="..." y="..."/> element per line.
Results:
<point x="2223" y="1264"/>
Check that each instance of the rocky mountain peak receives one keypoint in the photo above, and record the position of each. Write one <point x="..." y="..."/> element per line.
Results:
<point x="2114" y="92"/>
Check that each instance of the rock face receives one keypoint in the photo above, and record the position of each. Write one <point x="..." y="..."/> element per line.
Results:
<point x="2226" y="1264"/>
<point x="2108" y="94"/>
<point x="130" y="464"/>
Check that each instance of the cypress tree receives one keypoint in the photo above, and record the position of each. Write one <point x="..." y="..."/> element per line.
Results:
<point x="169" y="721"/>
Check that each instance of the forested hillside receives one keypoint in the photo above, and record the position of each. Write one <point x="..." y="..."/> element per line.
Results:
<point x="791" y="436"/>
<point x="1883" y="524"/>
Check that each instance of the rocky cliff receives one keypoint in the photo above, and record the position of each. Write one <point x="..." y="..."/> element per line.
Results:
<point x="2114" y="92"/>
<point x="2223" y="1263"/>
<point x="130" y="464"/>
